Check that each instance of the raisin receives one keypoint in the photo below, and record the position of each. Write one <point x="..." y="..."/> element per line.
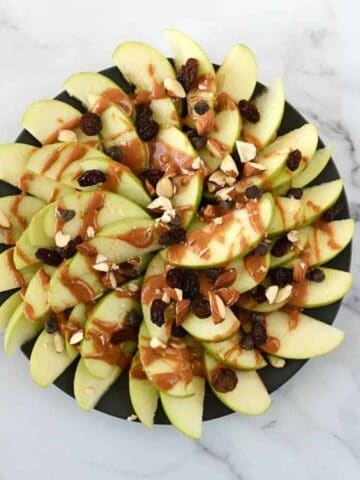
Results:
<point x="152" y="175"/>
<point x="258" y="294"/>
<point x="70" y="249"/>
<point x="49" y="257"/>
<point x="145" y="126"/>
<point x="133" y="319"/>
<point x="213" y="274"/>
<point x="293" y="160"/>
<point x="224" y="380"/>
<point x="296" y="193"/>
<point x="172" y="237"/>
<point x="157" y="312"/>
<point x="201" y="307"/>
<point x="90" y="124"/>
<point x="281" y="276"/>
<point x="256" y="317"/>
<point x="249" y="111"/>
<point x="190" y="285"/>
<point x="65" y="214"/>
<point x="123" y="335"/>
<point x="51" y="324"/>
<point x="201" y="107"/>
<point x="315" y="275"/>
<point x="261" y="250"/>
<point x="227" y="204"/>
<point x="281" y="247"/>
<point x="115" y="153"/>
<point x="253" y="192"/>
<point x="91" y="177"/>
<point x="178" y="331"/>
<point x="174" y="278"/>
<point x="176" y="221"/>
<point x="333" y="213"/>
<point x="129" y="270"/>
<point x="197" y="141"/>
<point x="188" y="73"/>
<point x="247" y="342"/>
<point x="258" y="333"/>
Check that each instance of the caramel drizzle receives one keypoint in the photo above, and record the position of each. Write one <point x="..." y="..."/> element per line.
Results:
<point x="70" y="125"/>
<point x="18" y="278"/>
<point x="138" y="237"/>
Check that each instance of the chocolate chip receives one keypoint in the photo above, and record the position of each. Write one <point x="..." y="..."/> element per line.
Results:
<point x="201" y="307"/>
<point x="281" y="247"/>
<point x="315" y="275"/>
<point x="261" y="250"/>
<point x="257" y="317"/>
<point x="253" y="192"/>
<point x="90" y="124"/>
<point x="258" y="294"/>
<point x="249" y="111"/>
<point x="157" y="312"/>
<point x="133" y="319"/>
<point x="152" y="175"/>
<point x="333" y="213"/>
<point x="70" y="249"/>
<point x="281" y="276"/>
<point x="123" y="335"/>
<point x="145" y="126"/>
<point x="197" y="141"/>
<point x="188" y="73"/>
<point x="258" y="333"/>
<point x="227" y="204"/>
<point x="65" y="214"/>
<point x="247" y="342"/>
<point x="178" y="331"/>
<point x="172" y="237"/>
<point x="51" y="324"/>
<point x="115" y="153"/>
<point x="212" y="274"/>
<point x="49" y="257"/>
<point x="224" y="380"/>
<point x="91" y="177"/>
<point x="201" y="107"/>
<point x="293" y="160"/>
<point x="296" y="193"/>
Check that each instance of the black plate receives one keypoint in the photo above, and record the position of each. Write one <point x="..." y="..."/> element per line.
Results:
<point x="116" y="401"/>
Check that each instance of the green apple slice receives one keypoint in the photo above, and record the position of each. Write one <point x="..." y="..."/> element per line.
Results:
<point x="76" y="320"/>
<point x="238" y="73"/>
<point x="247" y="302"/>
<point x="206" y="330"/>
<point x="177" y="147"/>
<point x="12" y="277"/>
<point x="319" y="198"/>
<point x="248" y="397"/>
<point x="19" y="330"/>
<point x="185" y="414"/>
<point x="270" y="104"/>
<point x="288" y="215"/>
<point x="234" y="237"/>
<point x="25" y="252"/>
<point x="143" y="395"/>
<point x="188" y="196"/>
<point x="316" y="165"/>
<point x="301" y="339"/>
<point x="335" y="286"/>
<point x="36" y="305"/>
<point x="18" y="210"/>
<point x="232" y="354"/>
<point x="42" y="187"/>
<point x="89" y="389"/>
<point x="8" y="308"/>
<point x="164" y="112"/>
<point x="13" y="159"/>
<point x="303" y="236"/>
<point x="251" y="271"/>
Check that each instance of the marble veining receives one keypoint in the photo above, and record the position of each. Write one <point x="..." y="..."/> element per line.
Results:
<point x="312" y="430"/>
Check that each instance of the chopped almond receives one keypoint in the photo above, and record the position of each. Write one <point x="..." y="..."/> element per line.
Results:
<point x="205" y="123"/>
<point x="217" y="307"/>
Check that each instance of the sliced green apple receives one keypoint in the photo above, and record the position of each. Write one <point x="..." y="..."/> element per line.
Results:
<point x="319" y="198"/>
<point x="36" y="305"/>
<point x="13" y="159"/>
<point x="247" y="302"/>
<point x="12" y="277"/>
<point x="288" y="215"/>
<point x="164" y="112"/>
<point x="207" y="331"/>
<point x="8" y="308"/>
<point x="270" y="104"/>
<point x="20" y="330"/>
<point x="76" y="321"/>
<point x="249" y="395"/>
<point x="251" y="270"/>
<point x="25" y="252"/>
<point x="316" y="165"/>
<point x="303" y="235"/>
<point x="188" y="195"/>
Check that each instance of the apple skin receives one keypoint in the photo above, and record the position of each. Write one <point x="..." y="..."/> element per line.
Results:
<point x="19" y="330"/>
<point x="319" y="198"/>
<point x="316" y="165"/>
<point x="8" y="308"/>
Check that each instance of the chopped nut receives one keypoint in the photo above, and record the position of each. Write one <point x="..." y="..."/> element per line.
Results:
<point x="165" y="188"/>
<point x="131" y="418"/>
<point x="67" y="136"/>
<point x="161" y="203"/>
<point x="61" y="240"/>
<point x="77" y="337"/>
<point x="211" y="187"/>
<point x="156" y="343"/>
<point x="166" y="297"/>
<point x="167" y="216"/>
<point x="214" y="148"/>
<point x="90" y="232"/>
<point x="174" y="88"/>
<point x="4" y="221"/>
<point x="182" y="308"/>
<point x="299" y="272"/>
<point x="229" y="166"/>
<point x="226" y="278"/>
<point x="197" y="163"/>
<point x="100" y="258"/>
<point x="271" y="293"/>
<point x="228" y="295"/>
<point x="293" y="236"/>
<point x="246" y="151"/>
<point x="218" y="220"/>
<point x="179" y="293"/>
<point x="218" y="177"/>
<point x="112" y="280"/>
<point x="203" y="252"/>
<point x="224" y="193"/>
<point x="276" y="362"/>
<point x="284" y="294"/>
<point x="205" y="123"/>
<point x="133" y="287"/>
<point x="59" y="343"/>
<point x="217" y="307"/>
<point x="230" y="181"/>
<point x="101" y="267"/>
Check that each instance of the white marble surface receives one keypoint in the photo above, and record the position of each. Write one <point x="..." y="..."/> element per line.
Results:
<point x="312" y="430"/>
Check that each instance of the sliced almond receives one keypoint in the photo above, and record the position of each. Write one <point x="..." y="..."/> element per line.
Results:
<point x="284" y="294"/>
<point x="77" y="337"/>
<point x="218" y="177"/>
<point x="178" y="293"/>
<point x="271" y="293"/>
<point x="211" y="187"/>
<point x="197" y="163"/>
<point x="229" y="166"/>
<point x="293" y="236"/>
<point x="133" y="287"/>
<point x="230" y="181"/>
<point x="225" y="193"/>
<point x="276" y="362"/>
<point x="165" y="188"/>
<point x="161" y="204"/>
<point x="214" y="148"/>
<point x="100" y="258"/>
<point x="228" y="295"/>
<point x="112" y="280"/>
<point x="166" y="297"/>
<point x="217" y="307"/>
<point x="156" y="343"/>
<point x="101" y="267"/>
<point x="246" y="151"/>
<point x="174" y="88"/>
<point x="90" y="232"/>
<point x="182" y="308"/>
<point x="59" y="343"/>
<point x="4" y="221"/>
<point x="67" y="136"/>
<point x="61" y="240"/>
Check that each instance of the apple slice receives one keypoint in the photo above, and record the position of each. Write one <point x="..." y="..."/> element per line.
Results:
<point x="8" y="308"/>
<point x="288" y="215"/>
<point x="75" y="323"/>
<point x="335" y="286"/>
<point x="143" y="395"/>
<point x="164" y="112"/>
<point x="297" y="249"/>
<point x="270" y="104"/>
<point x="231" y="353"/>
<point x="10" y="276"/>
<point x="319" y="198"/>
<point x="238" y="73"/>
<point x="249" y="395"/>
<point x="36" y="305"/>
<point x="217" y="244"/>
<point x="299" y="336"/>
<point x="89" y="389"/>
<point x="316" y="165"/>
<point x="19" y="330"/>
<point x="206" y="330"/>
<point x="13" y="158"/>
<point x="247" y="302"/>
<point x="185" y="414"/>
<point x="25" y="253"/>
<point x="251" y="270"/>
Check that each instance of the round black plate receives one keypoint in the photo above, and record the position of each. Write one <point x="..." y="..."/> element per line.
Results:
<point x="116" y="401"/>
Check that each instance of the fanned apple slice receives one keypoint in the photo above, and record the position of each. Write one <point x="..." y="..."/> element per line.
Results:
<point x="288" y="215"/>
<point x="25" y="253"/>
<point x="249" y="396"/>
<point x="251" y="270"/>
<point x="8" y="308"/>
<point x="319" y="198"/>
<point x="12" y="277"/>
<point x="185" y="414"/>
<point x="298" y="336"/>
<point x="88" y="389"/>
<point x="316" y="165"/>
<point x="310" y="294"/>
<point x="13" y="159"/>
<point x="238" y="73"/>
<point x="216" y="244"/>
<point x="231" y="353"/>
<point x="247" y="302"/>
<point x="75" y="323"/>
<point x="36" y="305"/>
<point x="143" y="395"/>
<point x="270" y="104"/>
<point x="295" y="251"/>
<point x="206" y="330"/>
<point x="20" y="330"/>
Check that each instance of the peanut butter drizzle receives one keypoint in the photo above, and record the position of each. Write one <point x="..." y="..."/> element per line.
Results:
<point x="68" y="328"/>
<point x="52" y="158"/>
<point x="313" y="206"/>
<point x="255" y="266"/>
<point x="89" y="218"/>
<point x="120" y="99"/>
<point x="78" y="287"/>
<point x="127" y="294"/>
<point x="293" y="316"/>
<point x="14" y="209"/>
<point x="322" y="226"/>
<point x="254" y="217"/>
<point x="54" y="194"/>
<point x="138" y="237"/>
<point x="281" y="209"/>
<point x="300" y="293"/>
<point x="133" y="154"/>
<point x="224" y="102"/>
<point x="248" y="137"/>
<point x="137" y="372"/>
<point x="20" y="253"/>
<point x="140" y="97"/>
<point x="272" y="345"/>
<point x="28" y="311"/>
<point x="153" y="288"/>
<point x="161" y="156"/>
<point x="78" y="150"/>
<point x="24" y="180"/>
<point x="19" y="279"/>
<point x="70" y="125"/>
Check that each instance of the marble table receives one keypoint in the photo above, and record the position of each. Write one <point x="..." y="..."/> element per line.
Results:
<point x="312" y="430"/>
